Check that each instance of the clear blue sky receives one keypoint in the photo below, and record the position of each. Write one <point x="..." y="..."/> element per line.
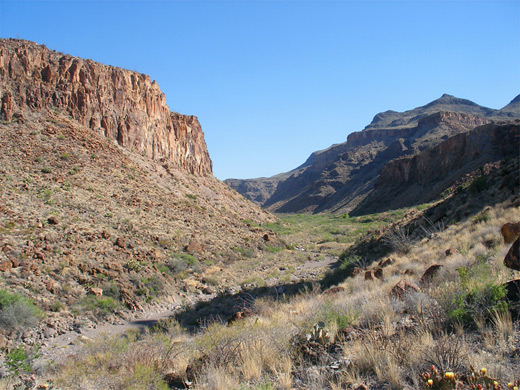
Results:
<point x="273" y="81"/>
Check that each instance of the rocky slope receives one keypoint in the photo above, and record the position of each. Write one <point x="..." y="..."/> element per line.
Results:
<point x="107" y="201"/>
<point x="421" y="178"/>
<point x="120" y="104"/>
<point x="339" y="178"/>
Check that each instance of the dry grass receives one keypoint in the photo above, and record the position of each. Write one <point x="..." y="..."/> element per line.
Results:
<point x="388" y="343"/>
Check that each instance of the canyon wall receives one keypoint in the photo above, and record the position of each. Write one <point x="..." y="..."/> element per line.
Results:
<point x="122" y="105"/>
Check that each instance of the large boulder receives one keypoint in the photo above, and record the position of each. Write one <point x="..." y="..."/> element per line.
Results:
<point x="430" y="273"/>
<point x="512" y="259"/>
<point x="510" y="231"/>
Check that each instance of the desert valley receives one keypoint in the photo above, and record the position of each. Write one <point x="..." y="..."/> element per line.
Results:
<point x="388" y="261"/>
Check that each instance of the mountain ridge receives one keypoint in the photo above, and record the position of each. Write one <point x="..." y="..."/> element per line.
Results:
<point x="325" y="182"/>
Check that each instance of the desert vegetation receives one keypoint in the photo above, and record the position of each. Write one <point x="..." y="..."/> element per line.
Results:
<point x="454" y="328"/>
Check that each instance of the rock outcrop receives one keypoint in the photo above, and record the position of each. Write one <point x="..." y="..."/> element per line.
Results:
<point x="123" y="105"/>
<point x="421" y="178"/>
<point x="512" y="259"/>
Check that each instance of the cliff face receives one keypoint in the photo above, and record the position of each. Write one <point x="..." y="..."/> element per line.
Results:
<point x="421" y="178"/>
<point x="120" y="104"/>
<point x="486" y="142"/>
<point x="340" y="178"/>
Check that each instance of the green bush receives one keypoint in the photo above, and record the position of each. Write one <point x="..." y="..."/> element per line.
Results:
<point x="478" y="185"/>
<point x="17" y="312"/>
<point x="20" y="359"/>
<point x="99" y="306"/>
<point x="182" y="261"/>
<point x="154" y="285"/>
<point x="342" y="316"/>
<point x="479" y="295"/>
<point x="111" y="289"/>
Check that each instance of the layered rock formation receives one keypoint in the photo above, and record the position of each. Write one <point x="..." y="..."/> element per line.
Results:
<point x="122" y="105"/>
<point x="422" y="177"/>
<point x="340" y="178"/>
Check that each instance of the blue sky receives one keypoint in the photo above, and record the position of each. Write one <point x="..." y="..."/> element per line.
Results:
<point x="273" y="81"/>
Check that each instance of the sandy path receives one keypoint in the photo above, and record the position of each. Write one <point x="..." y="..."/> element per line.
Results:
<point x="61" y="347"/>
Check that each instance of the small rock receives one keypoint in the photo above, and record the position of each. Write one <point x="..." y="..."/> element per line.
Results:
<point x="6" y="265"/>
<point x="451" y="251"/>
<point x="53" y="220"/>
<point x="194" y="247"/>
<point x="404" y="287"/>
<point x="208" y="290"/>
<point x="386" y="262"/>
<point x="334" y="290"/>
<point x="378" y="273"/>
<point x="120" y="242"/>
<point x="356" y="271"/>
<point x="98" y="292"/>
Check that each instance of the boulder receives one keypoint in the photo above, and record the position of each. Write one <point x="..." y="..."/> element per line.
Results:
<point x="5" y="265"/>
<point x="374" y="274"/>
<point x="451" y="251"/>
<point x="513" y="296"/>
<point x="404" y="287"/>
<point x="512" y="259"/>
<point x="194" y="247"/>
<point x="430" y="273"/>
<point x="98" y="292"/>
<point x="510" y="232"/>
<point x="386" y="262"/>
<point x="334" y="290"/>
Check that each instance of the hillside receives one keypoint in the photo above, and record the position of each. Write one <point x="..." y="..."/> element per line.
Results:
<point x="99" y="218"/>
<point x="339" y="178"/>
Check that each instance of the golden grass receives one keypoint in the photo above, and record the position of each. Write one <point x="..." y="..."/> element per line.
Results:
<point x="393" y="341"/>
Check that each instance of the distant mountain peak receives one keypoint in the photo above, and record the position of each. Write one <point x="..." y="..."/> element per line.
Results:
<point x="515" y="100"/>
<point x="446" y="99"/>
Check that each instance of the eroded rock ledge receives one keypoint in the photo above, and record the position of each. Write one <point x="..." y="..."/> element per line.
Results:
<point x="123" y="105"/>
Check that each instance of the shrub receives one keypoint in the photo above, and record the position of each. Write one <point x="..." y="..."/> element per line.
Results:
<point x="17" y="312"/>
<point x="180" y="262"/>
<point x="20" y="359"/>
<point x="177" y="265"/>
<point x="154" y="285"/>
<point x="478" y="295"/>
<point x="111" y="289"/>
<point x="273" y="249"/>
<point x="400" y="240"/>
<point x="99" y="306"/>
<point x="134" y="265"/>
<point x="478" y="185"/>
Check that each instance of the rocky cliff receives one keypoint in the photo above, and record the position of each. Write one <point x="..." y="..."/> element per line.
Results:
<point x="339" y="178"/>
<point x="421" y="178"/>
<point x="120" y="104"/>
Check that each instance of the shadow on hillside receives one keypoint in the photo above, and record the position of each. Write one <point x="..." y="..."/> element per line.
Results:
<point x="225" y="305"/>
<point x="499" y="187"/>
